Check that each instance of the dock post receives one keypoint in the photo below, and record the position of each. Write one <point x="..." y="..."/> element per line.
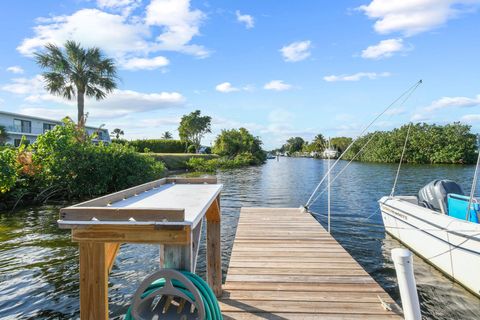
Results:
<point x="402" y="259"/>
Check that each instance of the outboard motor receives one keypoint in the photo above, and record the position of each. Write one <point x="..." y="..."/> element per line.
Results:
<point x="434" y="194"/>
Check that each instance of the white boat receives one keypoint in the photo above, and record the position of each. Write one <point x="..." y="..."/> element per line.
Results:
<point x="436" y="227"/>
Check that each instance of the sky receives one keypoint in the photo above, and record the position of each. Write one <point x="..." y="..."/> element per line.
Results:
<point x="278" y="68"/>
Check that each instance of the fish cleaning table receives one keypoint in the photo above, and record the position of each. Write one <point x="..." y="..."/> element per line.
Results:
<point x="168" y="212"/>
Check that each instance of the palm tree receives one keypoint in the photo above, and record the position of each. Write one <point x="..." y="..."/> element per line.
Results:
<point x="117" y="133"/>
<point x="167" y="135"/>
<point x="76" y="71"/>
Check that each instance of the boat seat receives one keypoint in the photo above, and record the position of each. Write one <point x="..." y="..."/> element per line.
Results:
<point x="457" y="207"/>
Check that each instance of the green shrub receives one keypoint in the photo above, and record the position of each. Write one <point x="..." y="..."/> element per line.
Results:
<point x="9" y="170"/>
<point x="64" y="164"/>
<point x="84" y="169"/>
<point x="157" y="145"/>
<point x="192" y="149"/>
<point x="212" y="165"/>
<point x="178" y="161"/>
<point x="4" y="147"/>
<point x="231" y="143"/>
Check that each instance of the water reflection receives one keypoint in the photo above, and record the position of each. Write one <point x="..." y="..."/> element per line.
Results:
<point x="39" y="263"/>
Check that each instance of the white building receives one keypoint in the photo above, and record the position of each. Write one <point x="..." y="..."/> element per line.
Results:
<point x="19" y="125"/>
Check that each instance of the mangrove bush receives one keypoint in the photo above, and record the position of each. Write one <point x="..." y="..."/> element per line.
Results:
<point x="427" y="144"/>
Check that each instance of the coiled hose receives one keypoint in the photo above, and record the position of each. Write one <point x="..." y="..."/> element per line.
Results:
<point x="212" y="309"/>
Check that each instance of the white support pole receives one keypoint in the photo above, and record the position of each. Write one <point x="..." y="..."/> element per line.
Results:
<point x="402" y="258"/>
<point x="328" y="200"/>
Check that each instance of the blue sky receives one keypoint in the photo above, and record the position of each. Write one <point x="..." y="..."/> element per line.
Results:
<point x="278" y="68"/>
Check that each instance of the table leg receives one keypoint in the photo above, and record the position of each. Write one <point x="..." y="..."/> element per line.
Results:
<point x="176" y="257"/>
<point x="214" y="250"/>
<point x="94" y="266"/>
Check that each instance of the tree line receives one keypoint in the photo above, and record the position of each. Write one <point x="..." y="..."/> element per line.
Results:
<point x="318" y="144"/>
<point x="427" y="144"/>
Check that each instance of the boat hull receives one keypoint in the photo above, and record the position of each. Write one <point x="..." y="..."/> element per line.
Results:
<point x="451" y="245"/>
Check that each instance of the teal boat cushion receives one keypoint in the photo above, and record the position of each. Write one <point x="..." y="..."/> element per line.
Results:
<point x="457" y="207"/>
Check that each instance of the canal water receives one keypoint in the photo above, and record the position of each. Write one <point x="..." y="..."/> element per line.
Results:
<point x="39" y="264"/>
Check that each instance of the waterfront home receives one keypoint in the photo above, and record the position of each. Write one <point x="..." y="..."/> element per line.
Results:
<point x="19" y="125"/>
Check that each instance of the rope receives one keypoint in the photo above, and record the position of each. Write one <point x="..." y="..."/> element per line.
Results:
<point x="401" y="160"/>
<point x="409" y="91"/>
<point x="360" y="151"/>
<point x="357" y="154"/>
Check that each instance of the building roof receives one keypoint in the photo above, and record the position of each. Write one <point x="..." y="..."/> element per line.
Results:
<point x="42" y="119"/>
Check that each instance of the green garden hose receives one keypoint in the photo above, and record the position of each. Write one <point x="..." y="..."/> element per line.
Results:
<point x="212" y="309"/>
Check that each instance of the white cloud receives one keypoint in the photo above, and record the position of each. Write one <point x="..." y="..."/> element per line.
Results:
<point x="384" y="49"/>
<point x="245" y="18"/>
<point x="411" y="17"/>
<point x="55" y="114"/>
<point x="134" y="101"/>
<point x="91" y="27"/>
<point x="356" y="76"/>
<point x="118" y="103"/>
<point x="115" y="3"/>
<point x="471" y="118"/>
<point x="453" y="102"/>
<point x="420" y="117"/>
<point x="179" y="23"/>
<point x="25" y="85"/>
<point x="277" y="85"/>
<point x="169" y="25"/>
<point x="145" y="63"/>
<point x="125" y="6"/>
<point x="296" y="51"/>
<point x="226" y="87"/>
<point x="426" y="113"/>
<point x="169" y="121"/>
<point x="15" y="69"/>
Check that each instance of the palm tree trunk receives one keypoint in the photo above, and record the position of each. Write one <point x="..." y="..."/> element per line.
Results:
<point x="81" y="107"/>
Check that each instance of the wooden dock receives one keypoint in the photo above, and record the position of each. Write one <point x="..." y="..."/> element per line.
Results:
<point x="285" y="265"/>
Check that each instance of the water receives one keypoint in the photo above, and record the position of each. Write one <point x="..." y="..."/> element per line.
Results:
<point x="39" y="263"/>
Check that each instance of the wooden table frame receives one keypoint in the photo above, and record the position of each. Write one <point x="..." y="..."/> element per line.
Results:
<point x="100" y="243"/>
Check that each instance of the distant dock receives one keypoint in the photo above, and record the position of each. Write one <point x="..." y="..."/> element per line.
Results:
<point x="285" y="265"/>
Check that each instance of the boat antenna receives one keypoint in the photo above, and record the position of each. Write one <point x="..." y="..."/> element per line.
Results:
<point x="474" y="182"/>
<point x="401" y="160"/>
<point x="409" y="91"/>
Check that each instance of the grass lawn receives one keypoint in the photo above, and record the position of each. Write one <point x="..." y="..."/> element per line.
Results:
<point x="178" y="161"/>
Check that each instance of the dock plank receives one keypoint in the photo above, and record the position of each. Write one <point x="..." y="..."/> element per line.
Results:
<point x="285" y="265"/>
